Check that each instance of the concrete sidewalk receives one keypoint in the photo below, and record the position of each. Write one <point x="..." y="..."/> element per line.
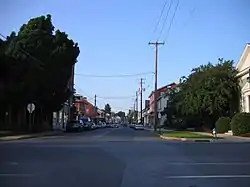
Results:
<point x="31" y="135"/>
<point x="228" y="138"/>
<point x="225" y="137"/>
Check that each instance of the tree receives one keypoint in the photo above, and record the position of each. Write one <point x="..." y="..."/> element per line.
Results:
<point x="107" y="109"/>
<point x="121" y="114"/>
<point x="210" y="91"/>
<point x="40" y="63"/>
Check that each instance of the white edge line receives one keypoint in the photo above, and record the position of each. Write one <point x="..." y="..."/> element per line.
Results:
<point x="207" y="176"/>
<point x="209" y="163"/>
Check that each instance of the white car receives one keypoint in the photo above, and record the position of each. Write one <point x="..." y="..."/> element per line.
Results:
<point x="139" y="127"/>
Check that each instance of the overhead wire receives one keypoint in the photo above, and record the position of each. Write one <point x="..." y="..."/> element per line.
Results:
<point x="159" y="19"/>
<point x="166" y="18"/>
<point x="171" y="22"/>
<point x="114" y="76"/>
<point x="116" y="97"/>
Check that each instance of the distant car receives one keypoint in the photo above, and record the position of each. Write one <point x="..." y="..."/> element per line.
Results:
<point x="104" y="124"/>
<point x="139" y="127"/>
<point x="93" y="125"/>
<point x="115" y="125"/>
<point x="108" y="125"/>
<point x="86" y="123"/>
<point x="73" y="126"/>
<point x="132" y="125"/>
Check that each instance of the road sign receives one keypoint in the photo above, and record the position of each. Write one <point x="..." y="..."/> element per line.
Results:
<point x="31" y="107"/>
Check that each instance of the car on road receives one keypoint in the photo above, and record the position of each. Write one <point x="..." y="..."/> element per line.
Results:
<point x="86" y="123"/>
<point x="93" y="126"/>
<point x="115" y="126"/>
<point x="73" y="126"/>
<point x="139" y="127"/>
<point x="132" y="125"/>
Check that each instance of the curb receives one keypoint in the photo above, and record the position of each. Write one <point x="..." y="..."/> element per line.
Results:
<point x="30" y="136"/>
<point x="185" y="139"/>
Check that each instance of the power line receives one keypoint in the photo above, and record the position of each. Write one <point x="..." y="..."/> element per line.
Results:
<point x="166" y="18"/>
<point x="116" y="97"/>
<point x="113" y="76"/>
<point x="159" y="19"/>
<point x="172" y="20"/>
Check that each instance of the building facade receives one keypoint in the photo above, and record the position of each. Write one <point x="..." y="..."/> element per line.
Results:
<point x="152" y="101"/>
<point x="243" y="67"/>
<point x="85" y="108"/>
<point x="161" y="105"/>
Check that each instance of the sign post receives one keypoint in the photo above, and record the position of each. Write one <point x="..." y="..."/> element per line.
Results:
<point x="30" y="107"/>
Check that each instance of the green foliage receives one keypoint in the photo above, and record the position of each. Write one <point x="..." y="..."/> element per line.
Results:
<point x="210" y="91"/>
<point x="107" y="109"/>
<point x="223" y="124"/>
<point x="38" y="64"/>
<point x="121" y="114"/>
<point x="240" y="123"/>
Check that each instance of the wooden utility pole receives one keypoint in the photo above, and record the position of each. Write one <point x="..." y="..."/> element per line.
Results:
<point x="141" y="90"/>
<point x="95" y="107"/>
<point x="95" y="100"/>
<point x="156" y="44"/>
<point x="136" y="106"/>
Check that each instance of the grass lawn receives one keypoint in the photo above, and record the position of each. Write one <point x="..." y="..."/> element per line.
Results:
<point x="185" y="134"/>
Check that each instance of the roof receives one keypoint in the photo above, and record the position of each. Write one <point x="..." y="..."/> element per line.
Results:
<point x="85" y="101"/>
<point x="243" y="56"/>
<point x="171" y="85"/>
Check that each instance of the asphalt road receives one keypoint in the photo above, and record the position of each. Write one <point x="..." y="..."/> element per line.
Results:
<point x="122" y="158"/>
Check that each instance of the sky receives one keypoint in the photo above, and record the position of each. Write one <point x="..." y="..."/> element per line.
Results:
<point x="113" y="37"/>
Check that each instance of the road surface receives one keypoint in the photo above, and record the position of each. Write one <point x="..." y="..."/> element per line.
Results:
<point x="122" y="157"/>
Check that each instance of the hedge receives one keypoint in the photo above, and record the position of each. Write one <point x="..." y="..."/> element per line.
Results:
<point x="240" y="123"/>
<point x="223" y="124"/>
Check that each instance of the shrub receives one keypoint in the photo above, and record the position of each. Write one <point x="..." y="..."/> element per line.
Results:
<point x="240" y="123"/>
<point x="223" y="124"/>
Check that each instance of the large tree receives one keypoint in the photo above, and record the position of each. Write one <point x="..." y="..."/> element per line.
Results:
<point x="39" y="62"/>
<point x="121" y="114"/>
<point x="210" y="91"/>
<point x="107" y="109"/>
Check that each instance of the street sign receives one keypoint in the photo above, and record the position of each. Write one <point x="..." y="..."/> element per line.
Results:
<point x="31" y="107"/>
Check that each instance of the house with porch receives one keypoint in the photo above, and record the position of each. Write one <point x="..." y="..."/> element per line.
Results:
<point x="243" y="67"/>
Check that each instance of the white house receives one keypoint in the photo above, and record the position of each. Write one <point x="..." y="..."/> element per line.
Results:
<point x="162" y="102"/>
<point x="243" y="66"/>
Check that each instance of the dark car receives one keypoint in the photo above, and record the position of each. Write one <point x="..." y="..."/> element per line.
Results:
<point x="86" y="123"/>
<point x="73" y="126"/>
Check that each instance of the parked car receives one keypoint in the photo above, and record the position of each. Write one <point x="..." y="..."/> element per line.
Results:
<point x="93" y="126"/>
<point x="73" y="126"/>
<point x="100" y="124"/>
<point x="104" y="124"/>
<point x="139" y="127"/>
<point x="132" y="125"/>
<point x="115" y="125"/>
<point x="86" y="123"/>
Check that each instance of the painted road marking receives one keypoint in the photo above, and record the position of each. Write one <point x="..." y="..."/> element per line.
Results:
<point x="209" y="163"/>
<point x="207" y="176"/>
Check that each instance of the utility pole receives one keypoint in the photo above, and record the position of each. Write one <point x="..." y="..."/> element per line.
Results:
<point x="141" y="90"/>
<point x="95" y="109"/>
<point x="136" y="105"/>
<point x="71" y="88"/>
<point x="95" y="100"/>
<point x="156" y="44"/>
